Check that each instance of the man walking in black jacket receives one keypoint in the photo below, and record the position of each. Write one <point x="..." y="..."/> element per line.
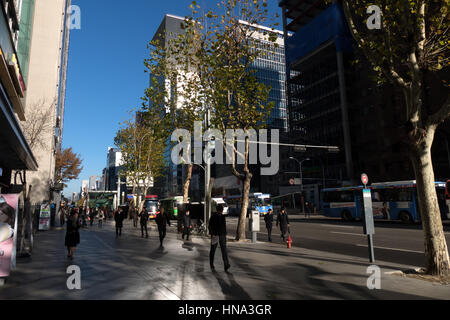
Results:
<point x="218" y="229"/>
<point x="143" y="220"/>
<point x="283" y="220"/>
<point x="119" y="217"/>
<point x="268" y="218"/>
<point x="162" y="219"/>
<point x="187" y="225"/>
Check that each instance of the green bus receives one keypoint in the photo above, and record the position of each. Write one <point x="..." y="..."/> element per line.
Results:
<point x="172" y="206"/>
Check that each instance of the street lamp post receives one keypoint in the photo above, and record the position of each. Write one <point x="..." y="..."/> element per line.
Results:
<point x="301" y="179"/>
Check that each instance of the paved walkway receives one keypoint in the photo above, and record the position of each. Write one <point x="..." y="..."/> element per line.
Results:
<point x="134" y="268"/>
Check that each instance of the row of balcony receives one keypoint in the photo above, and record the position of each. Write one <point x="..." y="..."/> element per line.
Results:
<point x="10" y="71"/>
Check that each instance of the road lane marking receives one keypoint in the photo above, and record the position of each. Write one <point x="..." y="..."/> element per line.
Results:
<point x="395" y="249"/>
<point x="337" y="226"/>
<point x="352" y="234"/>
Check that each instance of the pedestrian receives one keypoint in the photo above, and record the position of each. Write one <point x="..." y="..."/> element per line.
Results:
<point x="162" y="219"/>
<point x="268" y="218"/>
<point x="101" y="216"/>
<point x="119" y="217"/>
<point x="307" y="209"/>
<point x="283" y="220"/>
<point x="218" y="231"/>
<point x="83" y="217"/>
<point x="62" y="215"/>
<point x="143" y="220"/>
<point x="187" y="225"/>
<point x="135" y="217"/>
<point x="72" y="234"/>
<point x="91" y="216"/>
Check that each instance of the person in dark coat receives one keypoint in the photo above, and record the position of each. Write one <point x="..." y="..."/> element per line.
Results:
<point x="119" y="217"/>
<point x="143" y="218"/>
<point x="283" y="220"/>
<point x="72" y="234"/>
<point x="268" y="218"/>
<point x="92" y="214"/>
<point x="218" y="229"/>
<point x="187" y="225"/>
<point x="135" y="214"/>
<point x="82" y="212"/>
<point x="162" y="220"/>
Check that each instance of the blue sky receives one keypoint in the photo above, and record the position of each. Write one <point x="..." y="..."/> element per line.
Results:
<point x="106" y="72"/>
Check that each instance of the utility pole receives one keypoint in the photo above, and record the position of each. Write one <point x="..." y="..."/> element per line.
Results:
<point x="207" y="172"/>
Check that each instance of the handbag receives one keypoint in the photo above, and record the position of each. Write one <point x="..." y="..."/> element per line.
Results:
<point x="214" y="240"/>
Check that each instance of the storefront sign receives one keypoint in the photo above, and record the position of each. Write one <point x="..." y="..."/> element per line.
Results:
<point x="8" y="232"/>
<point x="44" y="217"/>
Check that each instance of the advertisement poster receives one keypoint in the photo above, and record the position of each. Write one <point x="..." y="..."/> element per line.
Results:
<point x="8" y="232"/>
<point x="44" y="217"/>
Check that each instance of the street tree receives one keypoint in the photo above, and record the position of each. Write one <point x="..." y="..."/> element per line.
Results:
<point x="36" y="128"/>
<point x="230" y="43"/>
<point x="175" y="96"/>
<point x="142" y="154"/>
<point x="67" y="166"/>
<point x="410" y="49"/>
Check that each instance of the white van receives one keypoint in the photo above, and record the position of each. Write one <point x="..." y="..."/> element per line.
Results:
<point x="216" y="202"/>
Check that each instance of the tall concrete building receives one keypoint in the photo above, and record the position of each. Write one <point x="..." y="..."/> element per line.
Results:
<point x="93" y="183"/>
<point x="171" y="185"/>
<point x="46" y="36"/>
<point x="15" y="151"/>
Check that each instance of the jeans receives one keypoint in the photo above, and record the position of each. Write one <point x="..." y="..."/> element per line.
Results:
<point x="186" y="231"/>
<point x="144" y="227"/>
<point x="118" y="231"/>
<point x="223" y="248"/>
<point x="269" y="231"/>
<point x="162" y="233"/>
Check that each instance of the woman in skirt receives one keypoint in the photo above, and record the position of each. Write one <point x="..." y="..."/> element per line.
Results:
<point x="72" y="235"/>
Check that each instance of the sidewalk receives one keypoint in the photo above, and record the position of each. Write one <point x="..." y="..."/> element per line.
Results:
<point x="135" y="268"/>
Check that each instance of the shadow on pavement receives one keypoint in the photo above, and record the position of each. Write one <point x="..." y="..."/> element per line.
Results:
<point x="231" y="290"/>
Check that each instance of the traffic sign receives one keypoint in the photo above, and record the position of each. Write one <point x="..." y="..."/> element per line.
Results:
<point x="364" y="179"/>
<point x="292" y="182"/>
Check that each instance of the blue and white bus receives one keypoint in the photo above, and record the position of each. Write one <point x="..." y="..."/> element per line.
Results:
<point x="257" y="201"/>
<point x="390" y="200"/>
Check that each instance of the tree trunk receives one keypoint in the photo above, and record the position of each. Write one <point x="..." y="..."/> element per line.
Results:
<point x="240" y="233"/>
<point x="437" y="257"/>
<point x="187" y="183"/>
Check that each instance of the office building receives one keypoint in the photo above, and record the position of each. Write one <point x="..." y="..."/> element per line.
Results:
<point x="333" y="102"/>
<point x="43" y="54"/>
<point x="93" y="183"/>
<point x="15" y="151"/>
<point x="172" y="182"/>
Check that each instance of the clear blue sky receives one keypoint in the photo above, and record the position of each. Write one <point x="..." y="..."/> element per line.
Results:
<point x="106" y="73"/>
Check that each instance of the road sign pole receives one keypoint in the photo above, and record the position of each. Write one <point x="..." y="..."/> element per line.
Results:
<point x="371" y="253"/>
<point x="369" y="226"/>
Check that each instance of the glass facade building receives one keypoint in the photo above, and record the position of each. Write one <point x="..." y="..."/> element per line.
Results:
<point x="270" y="69"/>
